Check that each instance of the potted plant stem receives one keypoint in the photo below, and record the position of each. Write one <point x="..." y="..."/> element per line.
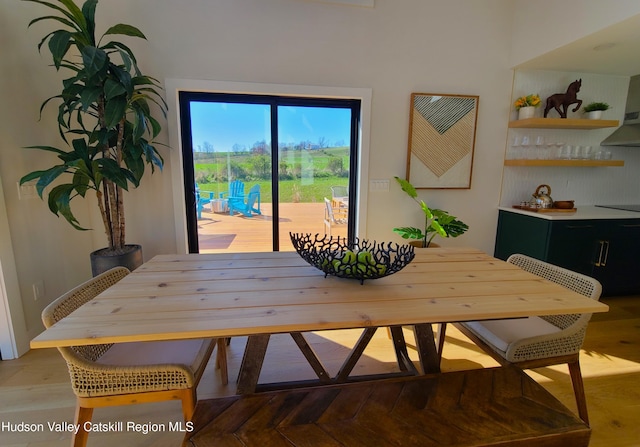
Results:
<point x="437" y="222"/>
<point x="105" y="118"/>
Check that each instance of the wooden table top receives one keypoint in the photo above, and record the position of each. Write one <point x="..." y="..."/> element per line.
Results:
<point x="227" y="295"/>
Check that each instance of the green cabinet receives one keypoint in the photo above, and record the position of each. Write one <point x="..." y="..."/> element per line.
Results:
<point x="606" y="249"/>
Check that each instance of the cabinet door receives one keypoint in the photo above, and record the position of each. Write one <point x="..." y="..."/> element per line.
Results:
<point x="619" y="266"/>
<point x="518" y="233"/>
<point x="574" y="244"/>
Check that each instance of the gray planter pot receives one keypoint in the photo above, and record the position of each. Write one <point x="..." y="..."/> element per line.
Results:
<point x="103" y="260"/>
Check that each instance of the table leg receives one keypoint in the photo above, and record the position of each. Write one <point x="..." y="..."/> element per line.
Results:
<point x="355" y="354"/>
<point x="426" y="346"/>
<point x="311" y="357"/>
<point x="442" y="331"/>
<point x="400" y="345"/>
<point x="252" y="363"/>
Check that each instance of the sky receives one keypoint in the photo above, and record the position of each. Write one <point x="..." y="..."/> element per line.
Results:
<point x="226" y="124"/>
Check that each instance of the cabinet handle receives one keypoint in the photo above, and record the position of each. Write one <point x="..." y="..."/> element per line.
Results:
<point x="574" y="227"/>
<point x="599" y="261"/>
<point x="630" y="226"/>
<point x="606" y="253"/>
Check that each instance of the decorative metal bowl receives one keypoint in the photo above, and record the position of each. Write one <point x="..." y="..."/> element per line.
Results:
<point x="363" y="259"/>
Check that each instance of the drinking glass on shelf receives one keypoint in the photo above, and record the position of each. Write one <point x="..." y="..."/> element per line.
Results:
<point x="587" y="153"/>
<point x="526" y="143"/>
<point x="576" y="152"/>
<point x="565" y="152"/>
<point x="515" y="151"/>
<point x="540" y="147"/>
<point x="558" y="150"/>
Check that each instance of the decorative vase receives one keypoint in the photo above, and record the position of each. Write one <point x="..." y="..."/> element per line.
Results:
<point x="594" y="115"/>
<point x="526" y="112"/>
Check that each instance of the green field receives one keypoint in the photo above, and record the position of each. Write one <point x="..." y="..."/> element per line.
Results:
<point x="305" y="175"/>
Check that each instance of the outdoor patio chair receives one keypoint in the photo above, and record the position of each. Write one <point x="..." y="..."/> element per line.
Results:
<point x="202" y="200"/>
<point x="339" y="192"/>
<point x="536" y="342"/>
<point x="333" y="216"/>
<point x="128" y="373"/>
<point x="236" y="190"/>
<point x="248" y="208"/>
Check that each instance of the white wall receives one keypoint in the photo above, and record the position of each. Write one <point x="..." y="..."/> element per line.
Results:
<point x="544" y="25"/>
<point x="396" y="48"/>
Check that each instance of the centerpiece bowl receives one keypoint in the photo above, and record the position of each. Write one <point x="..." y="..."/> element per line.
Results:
<point x="362" y="259"/>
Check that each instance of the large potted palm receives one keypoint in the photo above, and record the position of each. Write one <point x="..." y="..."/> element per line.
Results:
<point x="105" y="118"/>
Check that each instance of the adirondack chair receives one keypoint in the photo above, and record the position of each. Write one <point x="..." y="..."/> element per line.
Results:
<point x="248" y="208"/>
<point x="202" y="200"/>
<point x="236" y="190"/>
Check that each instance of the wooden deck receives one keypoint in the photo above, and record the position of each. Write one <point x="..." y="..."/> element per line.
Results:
<point x="220" y="232"/>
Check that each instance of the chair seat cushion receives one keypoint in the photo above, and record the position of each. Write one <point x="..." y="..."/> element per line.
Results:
<point x="182" y="352"/>
<point x="501" y="333"/>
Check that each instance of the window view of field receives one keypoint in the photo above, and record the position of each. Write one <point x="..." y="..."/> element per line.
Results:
<point x="305" y="175"/>
<point x="234" y="177"/>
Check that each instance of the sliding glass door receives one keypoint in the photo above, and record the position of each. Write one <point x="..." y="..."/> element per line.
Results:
<point x="259" y="167"/>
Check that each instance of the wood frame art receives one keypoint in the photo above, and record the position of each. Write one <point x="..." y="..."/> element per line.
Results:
<point x="442" y="136"/>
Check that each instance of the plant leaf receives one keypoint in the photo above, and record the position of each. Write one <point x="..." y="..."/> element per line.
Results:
<point x="409" y="232"/>
<point x="407" y="187"/>
<point x="60" y="201"/>
<point x="95" y="60"/>
<point x="126" y="30"/>
<point x="89" y="13"/>
<point x="113" y="89"/>
<point x="59" y="45"/>
<point x="114" y="111"/>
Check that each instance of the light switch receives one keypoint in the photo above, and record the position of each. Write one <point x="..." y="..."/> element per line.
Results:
<point x="27" y="190"/>
<point x="379" y="185"/>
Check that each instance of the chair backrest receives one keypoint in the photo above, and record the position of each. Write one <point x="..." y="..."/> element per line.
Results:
<point x="339" y="191"/>
<point x="253" y="195"/>
<point x="76" y="297"/>
<point x="236" y="188"/>
<point x="329" y="211"/>
<point x="582" y="284"/>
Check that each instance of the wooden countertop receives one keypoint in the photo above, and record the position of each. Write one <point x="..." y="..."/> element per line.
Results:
<point x="582" y="212"/>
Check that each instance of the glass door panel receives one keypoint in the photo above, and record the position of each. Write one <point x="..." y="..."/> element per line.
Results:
<point x="313" y="171"/>
<point x="232" y="171"/>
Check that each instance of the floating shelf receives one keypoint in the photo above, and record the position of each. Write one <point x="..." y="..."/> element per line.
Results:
<point x="562" y="123"/>
<point x="572" y="163"/>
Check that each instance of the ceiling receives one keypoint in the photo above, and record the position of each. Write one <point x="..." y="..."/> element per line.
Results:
<point x="614" y="50"/>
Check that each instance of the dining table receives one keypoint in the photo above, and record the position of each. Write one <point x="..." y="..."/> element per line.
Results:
<point x="186" y="296"/>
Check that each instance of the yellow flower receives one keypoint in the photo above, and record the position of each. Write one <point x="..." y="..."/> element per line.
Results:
<point x="532" y="100"/>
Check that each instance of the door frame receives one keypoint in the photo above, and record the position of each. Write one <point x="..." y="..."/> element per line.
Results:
<point x="14" y="336"/>
<point x="174" y="86"/>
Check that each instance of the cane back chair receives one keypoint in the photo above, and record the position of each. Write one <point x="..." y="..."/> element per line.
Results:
<point x="535" y="342"/>
<point x="127" y="373"/>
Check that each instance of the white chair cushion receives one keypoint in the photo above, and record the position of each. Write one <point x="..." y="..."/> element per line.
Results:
<point x="501" y="333"/>
<point x="183" y="352"/>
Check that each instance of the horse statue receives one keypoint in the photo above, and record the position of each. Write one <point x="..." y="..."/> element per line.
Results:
<point x="565" y="100"/>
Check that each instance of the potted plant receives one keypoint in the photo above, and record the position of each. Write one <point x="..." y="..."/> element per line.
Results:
<point x="105" y="118"/>
<point x="526" y="105"/>
<point x="593" y="111"/>
<point x="436" y="221"/>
